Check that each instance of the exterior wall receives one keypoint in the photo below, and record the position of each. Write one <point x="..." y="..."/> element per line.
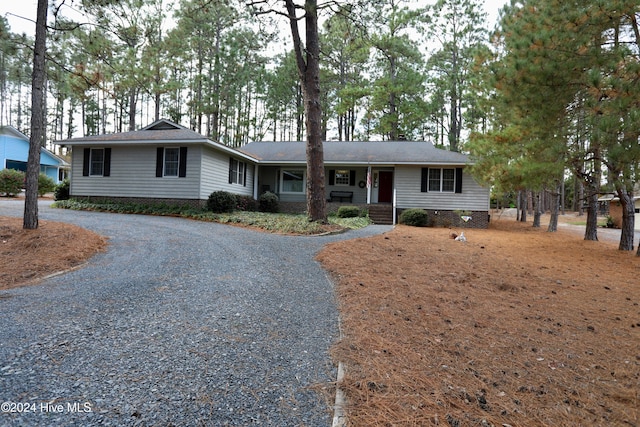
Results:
<point x="408" y="195"/>
<point x="215" y="174"/>
<point x="133" y="174"/>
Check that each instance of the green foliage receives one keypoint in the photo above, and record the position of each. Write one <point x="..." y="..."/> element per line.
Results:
<point x="11" y="182"/>
<point x="415" y="217"/>
<point x="45" y="185"/>
<point x="61" y="191"/>
<point x="246" y="203"/>
<point x="221" y="201"/>
<point x="269" y="202"/>
<point x="349" y="212"/>
<point x="275" y="222"/>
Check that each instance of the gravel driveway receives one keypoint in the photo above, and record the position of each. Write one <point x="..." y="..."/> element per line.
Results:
<point x="179" y="323"/>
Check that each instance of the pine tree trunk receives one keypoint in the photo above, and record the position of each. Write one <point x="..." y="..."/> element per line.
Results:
<point x="628" y="220"/>
<point x="555" y="209"/>
<point x="30" y="219"/>
<point x="308" y="63"/>
<point x="536" y="209"/>
<point x="591" y="230"/>
<point x="316" y="200"/>
<point x="523" y="205"/>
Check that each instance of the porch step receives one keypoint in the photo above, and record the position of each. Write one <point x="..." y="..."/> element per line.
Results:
<point x="381" y="214"/>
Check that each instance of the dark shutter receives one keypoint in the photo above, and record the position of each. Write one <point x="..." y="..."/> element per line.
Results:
<point x="182" y="166"/>
<point x="106" y="171"/>
<point x="352" y="178"/>
<point x="230" y="170"/>
<point x="86" y="161"/>
<point x="332" y="177"/>
<point x="458" y="180"/>
<point x="159" y="161"/>
<point x="424" y="181"/>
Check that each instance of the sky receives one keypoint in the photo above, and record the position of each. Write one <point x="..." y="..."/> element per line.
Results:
<point x="14" y="10"/>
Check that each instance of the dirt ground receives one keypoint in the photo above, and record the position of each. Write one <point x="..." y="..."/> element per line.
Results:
<point x="29" y="255"/>
<point x="515" y="327"/>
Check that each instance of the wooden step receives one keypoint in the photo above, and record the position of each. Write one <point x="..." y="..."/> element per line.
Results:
<point x="381" y="214"/>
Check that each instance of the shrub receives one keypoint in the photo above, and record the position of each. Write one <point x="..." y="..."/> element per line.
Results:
<point x="11" y="182"/>
<point x="45" y="185"/>
<point x="61" y="191"/>
<point x="348" y="212"/>
<point x="246" y="203"/>
<point x="268" y="202"/>
<point x="415" y="217"/>
<point x="221" y="201"/>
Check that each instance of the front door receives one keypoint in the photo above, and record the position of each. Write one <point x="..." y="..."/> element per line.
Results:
<point x="385" y="188"/>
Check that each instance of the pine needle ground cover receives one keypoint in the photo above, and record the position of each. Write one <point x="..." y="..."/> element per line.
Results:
<point x="515" y="327"/>
<point x="29" y="255"/>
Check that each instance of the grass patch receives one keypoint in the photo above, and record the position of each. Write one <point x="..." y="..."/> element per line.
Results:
<point x="272" y="222"/>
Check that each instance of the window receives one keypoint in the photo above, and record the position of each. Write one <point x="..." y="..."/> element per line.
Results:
<point x="441" y="180"/>
<point x="448" y="180"/>
<point x="434" y="179"/>
<point x="171" y="161"/>
<point x="292" y="181"/>
<point x="96" y="162"/>
<point x="237" y="172"/>
<point x="342" y="177"/>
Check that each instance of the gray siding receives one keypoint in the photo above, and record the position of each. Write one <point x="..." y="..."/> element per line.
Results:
<point x="215" y="175"/>
<point x="133" y="174"/>
<point x="407" y="180"/>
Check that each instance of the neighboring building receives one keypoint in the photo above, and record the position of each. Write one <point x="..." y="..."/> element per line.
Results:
<point x="14" y="153"/>
<point x="615" y="210"/>
<point x="168" y="162"/>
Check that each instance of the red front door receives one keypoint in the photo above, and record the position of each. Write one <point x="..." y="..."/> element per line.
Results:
<point x="385" y="189"/>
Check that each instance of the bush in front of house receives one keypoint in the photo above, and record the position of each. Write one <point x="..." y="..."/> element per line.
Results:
<point x="269" y="202"/>
<point x="11" y="182"/>
<point x="61" y="191"/>
<point x="349" y="212"/>
<point x="414" y="217"/>
<point x="221" y="201"/>
<point x="246" y="203"/>
<point x="45" y="185"/>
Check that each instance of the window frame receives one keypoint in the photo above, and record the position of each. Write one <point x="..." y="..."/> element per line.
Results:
<point x="237" y="172"/>
<point x="165" y="162"/>
<point x="93" y="163"/>
<point x="434" y="180"/>
<point x="342" y="178"/>
<point x="292" y="170"/>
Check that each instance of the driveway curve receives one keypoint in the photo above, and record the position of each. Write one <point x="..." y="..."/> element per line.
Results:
<point x="178" y="323"/>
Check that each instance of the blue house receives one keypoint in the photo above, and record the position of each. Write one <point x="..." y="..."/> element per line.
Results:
<point x="14" y="152"/>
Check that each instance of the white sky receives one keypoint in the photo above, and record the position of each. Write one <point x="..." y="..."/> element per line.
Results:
<point x="14" y="9"/>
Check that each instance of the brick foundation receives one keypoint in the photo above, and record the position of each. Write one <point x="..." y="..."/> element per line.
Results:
<point x="439" y="218"/>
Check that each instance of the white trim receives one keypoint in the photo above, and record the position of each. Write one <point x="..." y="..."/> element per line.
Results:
<point x="304" y="181"/>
